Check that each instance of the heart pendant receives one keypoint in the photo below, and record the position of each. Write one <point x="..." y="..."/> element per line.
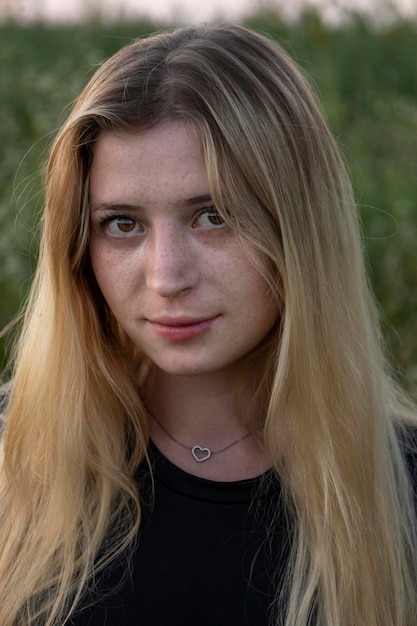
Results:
<point x="200" y="454"/>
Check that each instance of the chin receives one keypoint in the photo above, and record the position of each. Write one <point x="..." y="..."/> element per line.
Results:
<point x="185" y="370"/>
<point x="203" y="369"/>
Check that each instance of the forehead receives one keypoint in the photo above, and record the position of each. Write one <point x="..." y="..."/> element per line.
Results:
<point x="165" y="159"/>
<point x="161" y="142"/>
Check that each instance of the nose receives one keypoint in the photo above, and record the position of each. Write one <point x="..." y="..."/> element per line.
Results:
<point x="171" y="267"/>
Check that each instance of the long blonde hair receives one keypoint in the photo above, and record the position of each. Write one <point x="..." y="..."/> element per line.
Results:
<point x="75" y="428"/>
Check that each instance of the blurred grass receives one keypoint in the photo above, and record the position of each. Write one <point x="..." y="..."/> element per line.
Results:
<point x="366" y="79"/>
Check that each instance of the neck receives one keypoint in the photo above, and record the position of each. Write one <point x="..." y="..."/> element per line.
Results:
<point x="196" y="406"/>
<point x="204" y="411"/>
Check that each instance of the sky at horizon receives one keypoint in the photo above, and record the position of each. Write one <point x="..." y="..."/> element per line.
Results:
<point x="186" y="11"/>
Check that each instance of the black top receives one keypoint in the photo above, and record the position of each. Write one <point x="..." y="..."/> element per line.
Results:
<point x="209" y="553"/>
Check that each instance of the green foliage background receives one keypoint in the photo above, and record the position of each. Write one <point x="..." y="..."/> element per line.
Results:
<point x="366" y="79"/>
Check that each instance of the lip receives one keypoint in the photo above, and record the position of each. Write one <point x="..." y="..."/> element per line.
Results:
<point x="181" y="329"/>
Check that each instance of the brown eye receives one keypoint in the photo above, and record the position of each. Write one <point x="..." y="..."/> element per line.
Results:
<point x="215" y="218"/>
<point x="120" y="226"/>
<point x="209" y="218"/>
<point x="125" y="224"/>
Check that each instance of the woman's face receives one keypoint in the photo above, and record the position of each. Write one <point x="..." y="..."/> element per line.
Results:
<point x="175" y="276"/>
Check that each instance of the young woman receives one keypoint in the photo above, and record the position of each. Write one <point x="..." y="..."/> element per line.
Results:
<point x="200" y="427"/>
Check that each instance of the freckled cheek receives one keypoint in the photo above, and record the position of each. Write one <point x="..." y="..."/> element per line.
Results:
<point x="257" y="288"/>
<point x="263" y="310"/>
<point x="115" y="278"/>
<point x="250" y="277"/>
<point x="100" y="262"/>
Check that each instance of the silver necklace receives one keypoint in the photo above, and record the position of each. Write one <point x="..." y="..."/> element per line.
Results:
<point x="200" y="453"/>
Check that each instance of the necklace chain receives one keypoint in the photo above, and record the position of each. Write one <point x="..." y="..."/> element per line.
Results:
<point x="199" y="453"/>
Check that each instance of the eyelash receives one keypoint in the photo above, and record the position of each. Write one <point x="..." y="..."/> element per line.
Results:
<point x="106" y="221"/>
<point x="210" y="211"/>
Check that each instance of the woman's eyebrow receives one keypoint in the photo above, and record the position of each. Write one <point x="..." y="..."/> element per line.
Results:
<point x="187" y="202"/>
<point x="117" y="206"/>
<point x="113" y="206"/>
